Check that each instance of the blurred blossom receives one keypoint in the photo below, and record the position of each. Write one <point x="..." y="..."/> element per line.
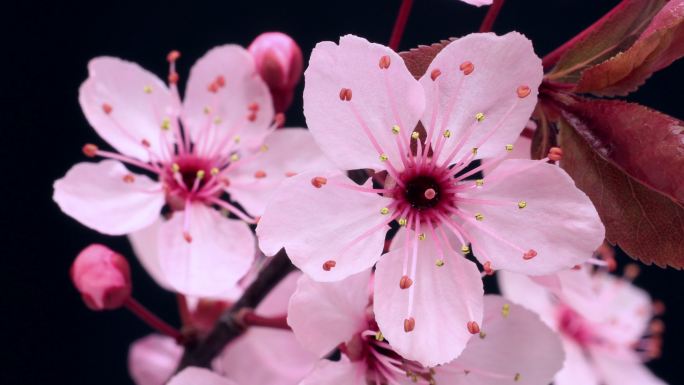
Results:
<point x="102" y="276"/>
<point x="199" y="376"/>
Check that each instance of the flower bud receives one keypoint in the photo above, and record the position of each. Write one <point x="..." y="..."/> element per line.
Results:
<point x="279" y="61"/>
<point x="102" y="276"/>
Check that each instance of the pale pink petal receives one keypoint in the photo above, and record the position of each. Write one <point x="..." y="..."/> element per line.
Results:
<point x="221" y="251"/>
<point x="316" y="225"/>
<point x="522" y="290"/>
<point x="501" y="64"/>
<point x="277" y="301"/>
<point x="620" y="370"/>
<point x="266" y="356"/>
<point x="343" y="372"/>
<point x="326" y="314"/>
<point x="515" y="347"/>
<point x="381" y="98"/>
<point x="478" y="3"/>
<point x="288" y="152"/>
<point x="445" y="299"/>
<point x="127" y="105"/>
<point x="577" y="368"/>
<point x="211" y="117"/>
<point x="145" y="244"/>
<point x="152" y="360"/>
<point x="199" y="376"/>
<point x="103" y="197"/>
<point x="559" y="221"/>
<point x="521" y="148"/>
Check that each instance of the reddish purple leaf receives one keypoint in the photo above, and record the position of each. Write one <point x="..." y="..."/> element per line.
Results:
<point x="661" y="44"/>
<point x="418" y="59"/>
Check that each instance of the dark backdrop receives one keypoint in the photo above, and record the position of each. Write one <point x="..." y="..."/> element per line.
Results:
<point x="48" y="335"/>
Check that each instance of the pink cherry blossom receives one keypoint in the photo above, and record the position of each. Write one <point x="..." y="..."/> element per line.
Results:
<point x="478" y="3"/>
<point x="366" y="111"/>
<point x="602" y="320"/>
<point x="513" y="345"/>
<point x="199" y="376"/>
<point x="102" y="276"/>
<point x="217" y="150"/>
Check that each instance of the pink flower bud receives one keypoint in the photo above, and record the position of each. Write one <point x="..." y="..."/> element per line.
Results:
<point x="279" y="62"/>
<point x="102" y="276"/>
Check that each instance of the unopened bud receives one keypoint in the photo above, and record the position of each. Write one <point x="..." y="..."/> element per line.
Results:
<point x="102" y="276"/>
<point x="279" y="61"/>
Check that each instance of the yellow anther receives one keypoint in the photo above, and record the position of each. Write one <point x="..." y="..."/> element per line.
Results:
<point x="148" y="89"/>
<point x="522" y="204"/>
<point x="516" y="378"/>
<point x="480" y="116"/>
<point x="439" y="263"/>
<point x="474" y="150"/>
<point x="415" y="135"/>
<point x="235" y="157"/>
<point x="214" y="171"/>
<point x="236" y="139"/>
<point x="379" y="336"/>
<point x="482" y="335"/>
<point x="465" y="249"/>
<point x="395" y="129"/>
<point x="506" y="310"/>
<point x="200" y="174"/>
<point x="166" y="124"/>
<point x="479" y="216"/>
<point x="175" y="167"/>
<point x="402" y="221"/>
<point x="263" y="148"/>
<point x="447" y="134"/>
<point x="383" y="157"/>
<point x="421" y="236"/>
<point x="479" y="182"/>
<point x="384" y="211"/>
<point x="217" y="120"/>
<point x="207" y="110"/>
<point x="509" y="147"/>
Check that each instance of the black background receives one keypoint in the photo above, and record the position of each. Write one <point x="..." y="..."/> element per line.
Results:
<point x="47" y="334"/>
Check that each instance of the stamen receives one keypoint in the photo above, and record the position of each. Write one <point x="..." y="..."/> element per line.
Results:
<point x="384" y="211"/>
<point x="467" y="68"/>
<point x="409" y="324"/>
<point x="480" y="116"/>
<point x="173" y="56"/>
<point x="506" y="310"/>
<point x="465" y="249"/>
<point x="522" y="204"/>
<point x="90" y="150"/>
<point x="384" y="62"/>
<point x="147" y="89"/>
<point x="129" y="178"/>
<point x="509" y="147"/>
<point x="328" y="265"/>
<point x="259" y="174"/>
<point x="529" y="254"/>
<point x="187" y="237"/>
<point x="405" y="282"/>
<point x="396" y="129"/>
<point x="473" y="327"/>
<point x="479" y="217"/>
<point x="415" y="135"/>
<point x="435" y="74"/>
<point x="555" y="154"/>
<point x="523" y="91"/>
<point x="345" y="94"/>
<point x="319" y="181"/>
<point x="488" y="268"/>
<point x="107" y="108"/>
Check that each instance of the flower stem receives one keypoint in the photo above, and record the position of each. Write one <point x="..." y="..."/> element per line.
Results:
<point x="400" y="24"/>
<point x="152" y="320"/>
<point x="250" y="318"/>
<point x="491" y="16"/>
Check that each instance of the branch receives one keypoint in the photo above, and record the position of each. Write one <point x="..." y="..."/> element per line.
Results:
<point x="492" y="14"/>
<point x="228" y="327"/>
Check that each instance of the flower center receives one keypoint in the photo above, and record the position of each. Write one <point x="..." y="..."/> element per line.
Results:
<point x="423" y="192"/>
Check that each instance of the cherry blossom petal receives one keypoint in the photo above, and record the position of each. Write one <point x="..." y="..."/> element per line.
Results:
<point x="127" y="105"/>
<point x="330" y="223"/>
<point x="277" y="301"/>
<point x="617" y="370"/>
<point x="326" y="314"/>
<point x="515" y="347"/>
<point x="381" y="98"/>
<point x="145" y="244"/>
<point x="152" y="360"/>
<point x="199" y="376"/>
<point x="446" y="298"/>
<point x="577" y="368"/>
<point x="336" y="373"/>
<point x="221" y="251"/>
<point x="211" y="117"/>
<point x="105" y="196"/>
<point x="289" y="152"/>
<point x="478" y="3"/>
<point x="481" y="73"/>
<point x="522" y="290"/>
<point x="559" y="221"/>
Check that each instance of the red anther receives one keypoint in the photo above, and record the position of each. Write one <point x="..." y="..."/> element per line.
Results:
<point x="129" y="178"/>
<point x="290" y="173"/>
<point x="467" y="68"/>
<point x="279" y="119"/>
<point x="658" y="307"/>
<point x="555" y="154"/>
<point x="328" y="265"/>
<point x="473" y="327"/>
<point x="252" y="116"/>
<point x="187" y="237"/>
<point x="173" y="78"/>
<point x="225" y="181"/>
<point x="173" y="56"/>
<point x="631" y="271"/>
<point x="345" y="94"/>
<point x="220" y="81"/>
<point x="430" y="194"/>
<point x="90" y="150"/>
<point x="318" y="181"/>
<point x="531" y="253"/>
<point x="260" y="174"/>
<point x="435" y="74"/>
<point x="107" y="108"/>
<point x="254" y="107"/>
<point x="384" y="62"/>
<point x="657" y="327"/>
<point x="523" y="92"/>
<point x="577" y="267"/>
<point x="611" y="264"/>
<point x="146" y="143"/>
<point x="409" y="324"/>
<point x="405" y="282"/>
<point x="213" y="87"/>
<point x="488" y="268"/>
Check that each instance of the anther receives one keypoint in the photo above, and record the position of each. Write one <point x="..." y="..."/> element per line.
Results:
<point x="523" y="91"/>
<point x="421" y="236"/>
<point x="405" y="282"/>
<point x="479" y="217"/>
<point x="214" y="171"/>
<point x="479" y="182"/>
<point x="409" y="324"/>
<point x="384" y="211"/>
<point x="220" y="81"/>
<point x="200" y="174"/>
<point x="254" y="107"/>
<point x="473" y="327"/>
<point x="235" y="157"/>
<point x="328" y="265"/>
<point x="165" y="124"/>
<point x="129" y="178"/>
<point x="383" y="157"/>
<point x="90" y="150"/>
<point x="465" y="249"/>
<point x="631" y="271"/>
<point x="290" y="174"/>
<point x="237" y="139"/>
<point x="402" y="221"/>
<point x="474" y="150"/>
<point x="384" y="62"/>
<point x="439" y="262"/>
<point x="395" y="129"/>
<point x="506" y="310"/>
<point x="415" y="135"/>
<point x="147" y="89"/>
<point x="173" y="56"/>
<point x="487" y="267"/>
<point x="319" y="181"/>
<point x="516" y="378"/>
<point x="175" y="167"/>
<point x="447" y="134"/>
<point x="217" y="120"/>
<point x="345" y="94"/>
<point x="430" y="194"/>
<point x="435" y="74"/>
<point x="187" y="237"/>
<point x="509" y="147"/>
<point x="145" y="143"/>
<point x="206" y="110"/>
<point x="107" y="108"/>
<point x="252" y="116"/>
<point x="379" y="336"/>
<point x="213" y="88"/>
<point x="467" y="68"/>
<point x="259" y="174"/>
<point x="225" y="181"/>
<point x="482" y="335"/>
<point x="522" y="204"/>
<point x="529" y="254"/>
<point x="480" y="116"/>
<point x="173" y="78"/>
<point x="555" y="154"/>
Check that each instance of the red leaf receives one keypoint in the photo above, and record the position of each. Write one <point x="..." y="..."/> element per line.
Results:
<point x="418" y="59"/>
<point x="645" y="144"/>
<point x="661" y="44"/>
<point x="613" y="33"/>
<point x="645" y="224"/>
